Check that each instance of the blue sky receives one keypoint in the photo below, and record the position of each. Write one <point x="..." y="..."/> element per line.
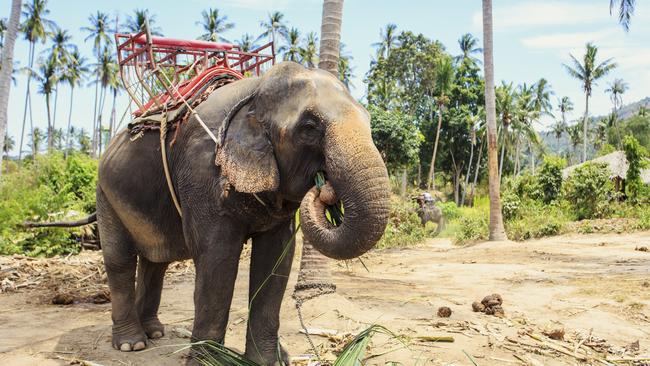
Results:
<point x="532" y="40"/>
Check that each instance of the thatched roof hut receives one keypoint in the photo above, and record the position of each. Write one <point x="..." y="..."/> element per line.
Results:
<point x="617" y="164"/>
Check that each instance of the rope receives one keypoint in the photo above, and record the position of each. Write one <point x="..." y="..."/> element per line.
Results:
<point x="163" y="152"/>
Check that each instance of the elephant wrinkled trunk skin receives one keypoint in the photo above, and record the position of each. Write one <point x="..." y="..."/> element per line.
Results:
<point x="355" y="169"/>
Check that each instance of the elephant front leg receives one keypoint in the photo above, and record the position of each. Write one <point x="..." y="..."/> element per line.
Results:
<point x="216" y="265"/>
<point x="271" y="250"/>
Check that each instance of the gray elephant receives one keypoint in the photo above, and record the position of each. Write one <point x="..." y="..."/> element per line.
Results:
<point x="428" y="211"/>
<point x="278" y="131"/>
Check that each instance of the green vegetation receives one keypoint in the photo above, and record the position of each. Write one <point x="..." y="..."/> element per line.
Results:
<point x="47" y="188"/>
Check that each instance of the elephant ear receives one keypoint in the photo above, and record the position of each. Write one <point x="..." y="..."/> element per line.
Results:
<point x="244" y="151"/>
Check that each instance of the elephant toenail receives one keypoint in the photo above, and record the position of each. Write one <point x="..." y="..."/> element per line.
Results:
<point x="156" y="334"/>
<point x="139" y="346"/>
<point x="125" y="347"/>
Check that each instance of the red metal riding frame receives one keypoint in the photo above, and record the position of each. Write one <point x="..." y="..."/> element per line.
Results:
<point x="181" y="67"/>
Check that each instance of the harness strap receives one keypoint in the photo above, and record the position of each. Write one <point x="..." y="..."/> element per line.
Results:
<point x="163" y="151"/>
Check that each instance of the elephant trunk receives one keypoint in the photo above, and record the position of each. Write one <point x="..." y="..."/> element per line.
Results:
<point x="356" y="171"/>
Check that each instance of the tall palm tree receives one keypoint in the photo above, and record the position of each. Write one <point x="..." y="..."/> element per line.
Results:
<point x="35" y="28"/>
<point x="135" y="23"/>
<point x="388" y="40"/>
<point x="84" y="142"/>
<point x="575" y="136"/>
<point x="616" y="89"/>
<point x="273" y="25"/>
<point x="505" y="111"/>
<point x="292" y="49"/>
<point x="309" y="53"/>
<point x="37" y="137"/>
<point x="558" y="128"/>
<point x="247" y="43"/>
<point x="74" y="74"/>
<point x="97" y="31"/>
<point x="59" y="53"/>
<point x="443" y="82"/>
<point x="565" y="105"/>
<point x="497" y="231"/>
<point x="6" y="70"/>
<point x="106" y="70"/>
<point x="47" y="79"/>
<point x="214" y="25"/>
<point x="314" y="269"/>
<point x="588" y="72"/>
<point x="625" y="11"/>
<point x="468" y="46"/>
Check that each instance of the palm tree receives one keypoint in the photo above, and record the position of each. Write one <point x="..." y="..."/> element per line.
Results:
<point x="443" y="82"/>
<point x="214" y="25"/>
<point x="565" y="105"/>
<point x="558" y="128"/>
<point x="37" y="141"/>
<point x="8" y="141"/>
<point x="388" y="40"/>
<point x="625" y="11"/>
<point x="314" y="268"/>
<point x="273" y="25"/>
<point x="468" y="45"/>
<point x="292" y="50"/>
<point x="84" y="141"/>
<point x="588" y="72"/>
<point x="106" y="70"/>
<point x="345" y="70"/>
<point x="309" y="53"/>
<point x="74" y="73"/>
<point x="98" y="32"/>
<point x="616" y="90"/>
<point x="497" y="231"/>
<point x="6" y="70"/>
<point x="247" y="43"/>
<point x="135" y="23"/>
<point x="59" y="53"/>
<point x="35" y="29"/>
<point x="505" y="111"/>
<point x="3" y="29"/>
<point x="47" y="78"/>
<point x="575" y="136"/>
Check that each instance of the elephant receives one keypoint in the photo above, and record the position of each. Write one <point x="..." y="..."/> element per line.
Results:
<point x="428" y="212"/>
<point x="275" y="133"/>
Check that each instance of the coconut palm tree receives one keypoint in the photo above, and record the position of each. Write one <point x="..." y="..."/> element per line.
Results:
<point x="247" y="43"/>
<point x="625" y="11"/>
<point x="292" y="49"/>
<point x="37" y="137"/>
<point x="309" y="53"/>
<point x="314" y="269"/>
<point x="505" y="111"/>
<point x="469" y="45"/>
<point x="565" y="105"/>
<point x="47" y="78"/>
<point x="388" y="40"/>
<point x="273" y="25"/>
<point x="97" y="31"/>
<point x="588" y="72"/>
<point x="106" y="70"/>
<point x="83" y="140"/>
<point x="6" y="70"/>
<point x="136" y="22"/>
<point x="59" y="53"/>
<point x="575" y="136"/>
<point x="35" y="28"/>
<point x="443" y="82"/>
<point x="616" y="90"/>
<point x="8" y="144"/>
<point x="214" y="25"/>
<point x="497" y="231"/>
<point x="345" y="70"/>
<point x="74" y="73"/>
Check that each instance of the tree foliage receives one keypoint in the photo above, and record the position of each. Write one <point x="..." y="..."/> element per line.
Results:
<point x="396" y="137"/>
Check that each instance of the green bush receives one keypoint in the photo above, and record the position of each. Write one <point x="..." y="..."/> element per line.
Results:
<point x="472" y="228"/>
<point x="510" y="204"/>
<point x="550" y="178"/>
<point x="47" y="189"/>
<point x="536" y="220"/>
<point x="449" y="210"/>
<point x="636" y="158"/>
<point x="589" y="190"/>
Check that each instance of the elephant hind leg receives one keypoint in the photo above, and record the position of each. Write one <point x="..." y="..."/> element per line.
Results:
<point x="120" y="262"/>
<point x="147" y="296"/>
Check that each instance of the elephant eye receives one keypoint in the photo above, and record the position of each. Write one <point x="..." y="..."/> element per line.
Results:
<point x="310" y="131"/>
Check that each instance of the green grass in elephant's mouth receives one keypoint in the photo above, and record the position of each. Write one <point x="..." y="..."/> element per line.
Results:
<point x="335" y="212"/>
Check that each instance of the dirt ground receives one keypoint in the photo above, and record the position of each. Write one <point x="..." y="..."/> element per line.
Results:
<point x="592" y="289"/>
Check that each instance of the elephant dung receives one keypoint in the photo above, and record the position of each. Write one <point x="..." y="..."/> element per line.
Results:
<point x="444" y="312"/>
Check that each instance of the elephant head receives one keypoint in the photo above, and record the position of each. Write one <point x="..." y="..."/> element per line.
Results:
<point x="288" y="125"/>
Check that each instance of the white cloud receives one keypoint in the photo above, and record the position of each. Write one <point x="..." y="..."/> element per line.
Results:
<point x="566" y="40"/>
<point x="531" y="14"/>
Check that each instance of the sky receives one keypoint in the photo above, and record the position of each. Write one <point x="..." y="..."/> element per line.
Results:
<point x="532" y="39"/>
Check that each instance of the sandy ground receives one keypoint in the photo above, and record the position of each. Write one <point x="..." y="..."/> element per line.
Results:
<point x="594" y="287"/>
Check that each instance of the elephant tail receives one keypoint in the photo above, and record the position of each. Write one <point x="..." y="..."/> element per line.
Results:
<point x="85" y="221"/>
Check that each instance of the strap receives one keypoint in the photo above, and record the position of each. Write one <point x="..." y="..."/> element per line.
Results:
<point x="163" y="151"/>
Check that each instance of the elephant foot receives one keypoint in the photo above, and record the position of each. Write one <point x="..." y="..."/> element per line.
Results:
<point x="129" y="336"/>
<point x="268" y="357"/>
<point x="153" y="328"/>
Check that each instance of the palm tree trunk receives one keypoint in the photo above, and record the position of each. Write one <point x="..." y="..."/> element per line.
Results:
<point x="503" y="152"/>
<point x="584" y="129"/>
<point x="497" y="231"/>
<point x="532" y="158"/>
<point x="432" y="170"/>
<point x="68" y="131"/>
<point x="50" y="130"/>
<point x="478" y="168"/>
<point x="111" y="125"/>
<point x="469" y="170"/>
<point x="331" y="36"/>
<point x="93" y="142"/>
<point x="27" y="97"/>
<point x="56" y="101"/>
<point x="7" y="69"/>
<point x="315" y="276"/>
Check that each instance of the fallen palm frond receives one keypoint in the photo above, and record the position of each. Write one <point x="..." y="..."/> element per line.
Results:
<point x="355" y="351"/>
